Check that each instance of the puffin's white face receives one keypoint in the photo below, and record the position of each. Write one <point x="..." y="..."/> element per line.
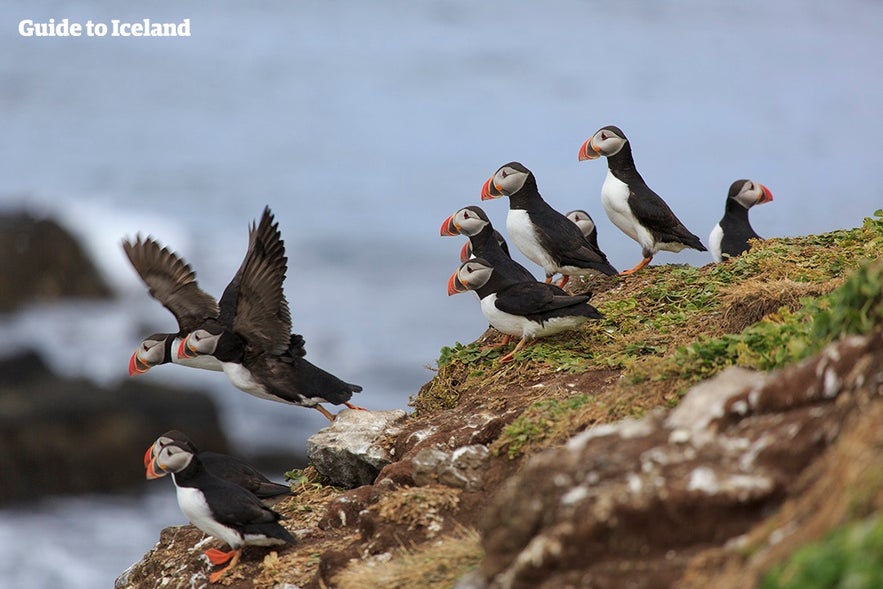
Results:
<point x="474" y="273"/>
<point x="582" y="219"/>
<point x="508" y="180"/>
<point x="173" y="458"/>
<point x="606" y="142"/>
<point x="750" y="193"/>
<point x="151" y="352"/>
<point x="200" y="341"/>
<point x="469" y="222"/>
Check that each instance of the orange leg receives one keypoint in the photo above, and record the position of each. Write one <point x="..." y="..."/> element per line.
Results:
<point x="325" y="412"/>
<point x="505" y="342"/>
<point x="564" y="279"/>
<point x="548" y="278"/>
<point x="234" y="560"/>
<point x="216" y="556"/>
<point x="511" y="355"/>
<point x="356" y="407"/>
<point x="643" y="263"/>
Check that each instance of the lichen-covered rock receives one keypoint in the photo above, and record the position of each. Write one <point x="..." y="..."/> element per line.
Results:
<point x="629" y="504"/>
<point x="349" y="452"/>
<point x="462" y="468"/>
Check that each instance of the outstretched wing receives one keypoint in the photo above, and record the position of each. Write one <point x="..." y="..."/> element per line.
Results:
<point x="171" y="281"/>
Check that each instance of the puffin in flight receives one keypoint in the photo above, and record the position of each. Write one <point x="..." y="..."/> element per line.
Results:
<point x="730" y="236"/>
<point x="542" y="234"/>
<point x="251" y="336"/>
<point x="223" y="466"/>
<point x="524" y="309"/>
<point x="219" y="508"/>
<point x="172" y="282"/>
<point x="630" y="204"/>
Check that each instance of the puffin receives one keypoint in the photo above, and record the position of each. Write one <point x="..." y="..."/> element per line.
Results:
<point x="630" y="204"/>
<point x="730" y="236"/>
<point x="542" y="234"/>
<point x="527" y="309"/>
<point x="586" y="224"/>
<point x="484" y="241"/>
<point x="219" y="508"/>
<point x="171" y="281"/>
<point x="251" y="335"/>
<point x="466" y="251"/>
<point x="223" y="466"/>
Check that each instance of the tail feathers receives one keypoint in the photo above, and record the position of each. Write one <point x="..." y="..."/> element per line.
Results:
<point x="269" y="530"/>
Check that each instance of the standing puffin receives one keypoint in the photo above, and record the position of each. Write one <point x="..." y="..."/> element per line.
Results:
<point x="586" y="224"/>
<point x="251" y="336"/>
<point x="223" y="466"/>
<point x="542" y="234"/>
<point x="172" y="282"/>
<point x="219" y="508"/>
<point x="630" y="204"/>
<point x="730" y="236"/>
<point x="474" y="223"/>
<point x="525" y="309"/>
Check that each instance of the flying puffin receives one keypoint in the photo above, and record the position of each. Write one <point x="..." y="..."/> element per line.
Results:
<point x="525" y="309"/>
<point x="251" y="336"/>
<point x="223" y="466"/>
<point x="172" y="282"/>
<point x="219" y="508"/>
<point x="542" y="234"/>
<point x="730" y="236"/>
<point x="586" y="224"/>
<point x="484" y="242"/>
<point x="630" y="204"/>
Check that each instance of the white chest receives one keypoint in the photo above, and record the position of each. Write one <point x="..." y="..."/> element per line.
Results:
<point x="524" y="236"/>
<point x="522" y="326"/>
<point x="615" y="200"/>
<point x="714" y="243"/>
<point x="193" y="505"/>
<point x="242" y="379"/>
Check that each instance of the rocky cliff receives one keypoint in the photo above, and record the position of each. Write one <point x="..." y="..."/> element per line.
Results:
<point x="716" y="420"/>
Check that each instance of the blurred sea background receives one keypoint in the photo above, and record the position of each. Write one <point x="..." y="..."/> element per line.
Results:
<point x="363" y="125"/>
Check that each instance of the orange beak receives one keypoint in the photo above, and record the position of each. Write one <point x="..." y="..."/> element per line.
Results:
<point x="588" y="151"/>
<point x="153" y="472"/>
<point x="454" y="285"/>
<point x="448" y="227"/>
<point x="486" y="193"/>
<point x="466" y="251"/>
<point x="148" y="457"/>
<point x="184" y="350"/>
<point x="766" y="195"/>
<point x="136" y="366"/>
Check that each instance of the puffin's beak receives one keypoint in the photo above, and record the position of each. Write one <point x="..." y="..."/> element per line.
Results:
<point x="148" y="457"/>
<point x="766" y="195"/>
<point x="486" y="188"/>
<point x="448" y="227"/>
<point x="136" y="366"/>
<point x="588" y="151"/>
<point x="454" y="285"/>
<point x="466" y="251"/>
<point x="154" y="471"/>
<point x="185" y="351"/>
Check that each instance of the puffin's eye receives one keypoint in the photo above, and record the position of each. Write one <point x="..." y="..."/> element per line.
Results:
<point x="504" y="173"/>
<point x="603" y="136"/>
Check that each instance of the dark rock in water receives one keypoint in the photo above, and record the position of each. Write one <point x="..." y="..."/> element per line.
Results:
<point x="41" y="261"/>
<point x="630" y="504"/>
<point x="62" y="435"/>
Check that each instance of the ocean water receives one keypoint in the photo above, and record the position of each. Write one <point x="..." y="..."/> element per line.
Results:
<point x="363" y="125"/>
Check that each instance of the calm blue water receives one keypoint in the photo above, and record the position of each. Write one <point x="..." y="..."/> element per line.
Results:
<point x="363" y="125"/>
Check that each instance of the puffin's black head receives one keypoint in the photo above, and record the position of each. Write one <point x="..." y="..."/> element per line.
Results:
<point x="471" y="275"/>
<point x="748" y="193"/>
<point x="467" y="221"/>
<point x="153" y="351"/>
<point x="212" y="339"/>
<point x="606" y="141"/>
<point x="171" y="458"/>
<point x="508" y="180"/>
<point x="170" y="437"/>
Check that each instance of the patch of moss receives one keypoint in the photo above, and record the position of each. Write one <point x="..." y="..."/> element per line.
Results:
<point x="540" y="422"/>
<point x="849" y="557"/>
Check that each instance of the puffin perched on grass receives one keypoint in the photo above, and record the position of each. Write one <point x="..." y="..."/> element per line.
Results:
<point x="524" y="309"/>
<point x="630" y="204"/>
<point x="251" y="337"/>
<point x="219" y="508"/>
<point x="223" y="466"/>
<point x="542" y="234"/>
<point x="730" y="236"/>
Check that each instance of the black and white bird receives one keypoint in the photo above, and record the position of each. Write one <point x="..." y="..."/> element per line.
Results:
<point x="527" y="310"/>
<point x="630" y="204"/>
<point x="172" y="282"/>
<point x="223" y="466"/>
<point x="542" y="234"/>
<point x="484" y="242"/>
<point x="251" y="336"/>
<point x="219" y="508"/>
<point x="586" y="224"/>
<point x="730" y="236"/>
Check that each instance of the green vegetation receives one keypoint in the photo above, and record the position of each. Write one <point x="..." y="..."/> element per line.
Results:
<point x="541" y="421"/>
<point x="849" y="557"/>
